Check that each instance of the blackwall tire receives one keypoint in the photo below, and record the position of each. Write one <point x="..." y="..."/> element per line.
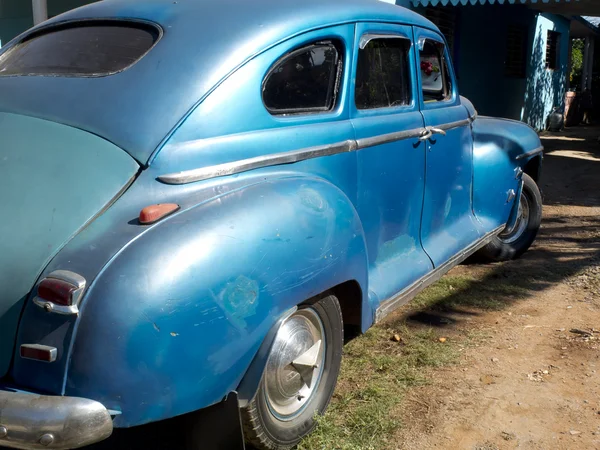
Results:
<point x="281" y="414"/>
<point x="511" y="244"/>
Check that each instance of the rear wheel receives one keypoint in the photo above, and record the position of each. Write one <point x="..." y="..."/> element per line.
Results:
<point x="516" y="240"/>
<point x="299" y="378"/>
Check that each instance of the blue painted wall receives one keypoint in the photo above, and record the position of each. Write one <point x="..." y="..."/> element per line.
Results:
<point x="483" y="32"/>
<point x="546" y="88"/>
<point x="480" y="54"/>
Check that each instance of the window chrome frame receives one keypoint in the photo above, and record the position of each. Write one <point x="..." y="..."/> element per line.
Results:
<point x="52" y="27"/>
<point x="338" y="46"/>
<point x="365" y="39"/>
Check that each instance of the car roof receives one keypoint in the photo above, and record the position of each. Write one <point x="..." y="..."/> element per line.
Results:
<point x="203" y="42"/>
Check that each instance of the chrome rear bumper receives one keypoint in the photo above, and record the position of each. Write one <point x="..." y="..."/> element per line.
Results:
<point x="30" y="421"/>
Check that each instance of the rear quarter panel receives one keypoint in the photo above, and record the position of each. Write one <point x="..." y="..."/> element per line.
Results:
<point x="173" y="322"/>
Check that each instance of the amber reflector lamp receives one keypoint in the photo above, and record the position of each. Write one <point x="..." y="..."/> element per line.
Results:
<point x="154" y="213"/>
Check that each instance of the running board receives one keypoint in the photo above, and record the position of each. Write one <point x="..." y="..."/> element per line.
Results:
<point x="406" y="295"/>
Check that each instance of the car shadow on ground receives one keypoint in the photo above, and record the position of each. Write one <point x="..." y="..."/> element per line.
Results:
<point x="568" y="242"/>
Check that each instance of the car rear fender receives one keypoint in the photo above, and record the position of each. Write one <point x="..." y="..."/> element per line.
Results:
<point x="173" y="322"/>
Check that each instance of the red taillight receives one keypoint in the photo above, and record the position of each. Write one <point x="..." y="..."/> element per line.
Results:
<point x="56" y="291"/>
<point x="60" y="292"/>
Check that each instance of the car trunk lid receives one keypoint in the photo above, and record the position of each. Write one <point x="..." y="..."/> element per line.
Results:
<point x="54" y="179"/>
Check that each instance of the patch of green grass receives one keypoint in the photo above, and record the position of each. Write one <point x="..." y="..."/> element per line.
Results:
<point x="468" y="291"/>
<point x="376" y="372"/>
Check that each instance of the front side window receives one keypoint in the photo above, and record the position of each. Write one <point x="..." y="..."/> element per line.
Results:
<point x="304" y="81"/>
<point x="435" y="77"/>
<point x="80" y="49"/>
<point x="383" y="74"/>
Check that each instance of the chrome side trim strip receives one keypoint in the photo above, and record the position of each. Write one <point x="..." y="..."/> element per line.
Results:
<point x="350" y="145"/>
<point x="537" y="151"/>
<point x="410" y="292"/>
<point x="244" y="165"/>
<point x="453" y="125"/>
<point x="387" y="138"/>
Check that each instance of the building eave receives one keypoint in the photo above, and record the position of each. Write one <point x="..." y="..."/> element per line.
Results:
<point x="562" y="7"/>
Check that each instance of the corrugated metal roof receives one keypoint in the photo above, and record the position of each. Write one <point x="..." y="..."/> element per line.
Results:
<point x="483" y="2"/>
<point x="593" y="20"/>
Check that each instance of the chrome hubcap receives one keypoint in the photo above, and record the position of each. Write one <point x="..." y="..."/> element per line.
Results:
<point x="295" y="365"/>
<point x="512" y="234"/>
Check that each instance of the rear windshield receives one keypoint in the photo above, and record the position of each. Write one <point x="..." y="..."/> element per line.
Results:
<point x="81" y="49"/>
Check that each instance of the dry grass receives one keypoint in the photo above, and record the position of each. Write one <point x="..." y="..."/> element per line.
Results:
<point x="377" y="371"/>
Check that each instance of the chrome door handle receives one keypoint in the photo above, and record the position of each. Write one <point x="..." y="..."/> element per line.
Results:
<point x="430" y="131"/>
<point x="437" y="131"/>
<point x="425" y="134"/>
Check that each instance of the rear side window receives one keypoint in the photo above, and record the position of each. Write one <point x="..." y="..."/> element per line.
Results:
<point x="304" y="81"/>
<point x="383" y="74"/>
<point x="435" y="77"/>
<point x="83" y="49"/>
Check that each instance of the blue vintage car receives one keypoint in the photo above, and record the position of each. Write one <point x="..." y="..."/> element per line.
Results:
<point x="199" y="198"/>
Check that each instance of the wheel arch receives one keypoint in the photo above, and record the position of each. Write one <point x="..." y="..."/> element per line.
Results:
<point x="349" y="295"/>
<point x="499" y="146"/>
<point x="533" y="168"/>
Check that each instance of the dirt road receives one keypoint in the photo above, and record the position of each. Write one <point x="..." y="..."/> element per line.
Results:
<point x="528" y="381"/>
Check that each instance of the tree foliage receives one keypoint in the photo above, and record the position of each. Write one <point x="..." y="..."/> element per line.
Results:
<point x="577" y="62"/>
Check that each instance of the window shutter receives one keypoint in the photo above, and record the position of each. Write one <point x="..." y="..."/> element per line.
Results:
<point x="445" y="18"/>
<point x="515" y="64"/>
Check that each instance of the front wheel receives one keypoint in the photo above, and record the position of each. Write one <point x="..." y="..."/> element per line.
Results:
<point x="515" y="241"/>
<point x="299" y="378"/>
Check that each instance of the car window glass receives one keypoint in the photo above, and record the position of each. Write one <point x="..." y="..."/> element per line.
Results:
<point x="383" y="74"/>
<point x="435" y="78"/>
<point x="84" y="49"/>
<point x="304" y="81"/>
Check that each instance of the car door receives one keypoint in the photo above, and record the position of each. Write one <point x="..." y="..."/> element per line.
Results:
<point x="391" y="158"/>
<point x="448" y="224"/>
